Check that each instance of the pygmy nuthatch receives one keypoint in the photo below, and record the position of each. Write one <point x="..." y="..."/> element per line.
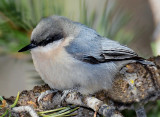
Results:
<point x="69" y="55"/>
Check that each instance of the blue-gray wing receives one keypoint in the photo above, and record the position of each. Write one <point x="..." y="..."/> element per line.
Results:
<point x="112" y="50"/>
<point x="100" y="50"/>
<point x="90" y="47"/>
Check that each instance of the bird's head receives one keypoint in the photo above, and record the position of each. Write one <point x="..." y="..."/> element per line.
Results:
<point x="51" y="32"/>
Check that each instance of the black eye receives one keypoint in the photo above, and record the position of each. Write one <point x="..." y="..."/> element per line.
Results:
<point x="57" y="37"/>
<point x="50" y="39"/>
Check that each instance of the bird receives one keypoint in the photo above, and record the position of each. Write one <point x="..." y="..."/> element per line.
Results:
<point x="69" y="55"/>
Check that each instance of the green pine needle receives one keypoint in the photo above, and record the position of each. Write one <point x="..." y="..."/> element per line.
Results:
<point x="1" y="98"/>
<point x="5" y="113"/>
<point x="49" y="111"/>
<point x="13" y="105"/>
<point x="62" y="112"/>
<point x="15" y="102"/>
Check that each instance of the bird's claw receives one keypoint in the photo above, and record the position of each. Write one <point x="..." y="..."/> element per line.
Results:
<point x="64" y="95"/>
<point x="43" y="94"/>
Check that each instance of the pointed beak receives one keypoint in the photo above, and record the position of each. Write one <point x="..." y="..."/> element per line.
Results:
<point x="28" y="47"/>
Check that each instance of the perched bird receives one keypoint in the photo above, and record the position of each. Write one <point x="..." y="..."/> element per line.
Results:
<point x="70" y="56"/>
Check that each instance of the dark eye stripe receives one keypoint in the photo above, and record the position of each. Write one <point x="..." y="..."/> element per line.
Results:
<point x="49" y="39"/>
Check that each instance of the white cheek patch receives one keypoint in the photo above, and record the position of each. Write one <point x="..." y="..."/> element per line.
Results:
<point x="48" y="47"/>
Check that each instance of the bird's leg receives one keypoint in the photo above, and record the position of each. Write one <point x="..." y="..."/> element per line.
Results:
<point x="140" y="112"/>
<point x="65" y="93"/>
<point x="43" y="94"/>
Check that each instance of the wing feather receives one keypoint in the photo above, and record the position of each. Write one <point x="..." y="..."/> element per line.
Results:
<point x="92" y="48"/>
<point x="112" y="50"/>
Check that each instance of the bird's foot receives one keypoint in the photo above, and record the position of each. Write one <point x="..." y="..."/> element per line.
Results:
<point x="44" y="94"/>
<point x="64" y="95"/>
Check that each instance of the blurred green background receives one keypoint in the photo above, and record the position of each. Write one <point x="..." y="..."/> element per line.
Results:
<point x="133" y="23"/>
